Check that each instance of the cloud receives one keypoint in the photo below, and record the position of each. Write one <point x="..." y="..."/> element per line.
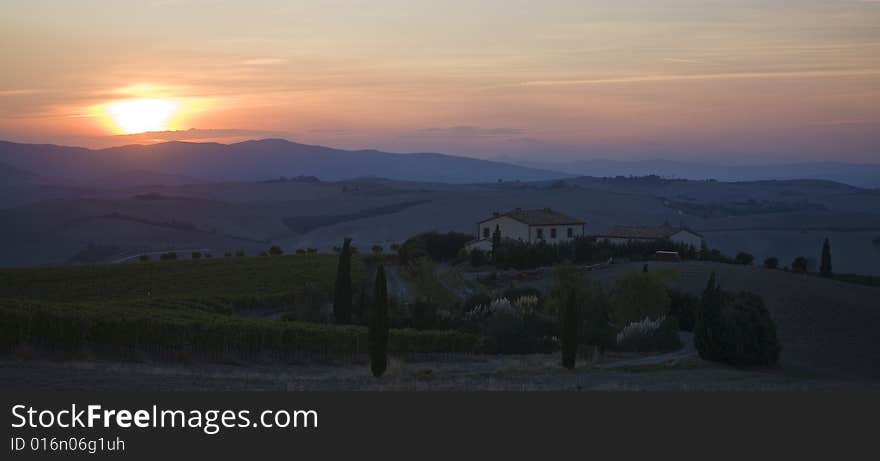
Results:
<point x="197" y="133"/>
<point x="466" y="131"/>
<point x="717" y="76"/>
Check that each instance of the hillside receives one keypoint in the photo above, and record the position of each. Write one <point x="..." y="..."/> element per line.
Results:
<point x="825" y="326"/>
<point x="257" y="160"/>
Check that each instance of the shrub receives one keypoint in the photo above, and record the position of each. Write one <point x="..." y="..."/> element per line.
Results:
<point x="510" y="330"/>
<point x="196" y="255"/>
<point x="744" y="258"/>
<point x="735" y="328"/>
<point x="478" y="258"/>
<point x="168" y="256"/>
<point x="638" y="295"/>
<point x="275" y="250"/>
<point x="423" y="315"/>
<point x="799" y="265"/>
<point x="438" y="247"/>
<point x="649" y="335"/>
<point x="683" y="307"/>
<point x="771" y="262"/>
<point x="749" y="334"/>
<point x="377" y="249"/>
<point x="144" y="258"/>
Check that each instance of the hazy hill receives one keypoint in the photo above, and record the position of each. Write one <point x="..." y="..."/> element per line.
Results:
<point x="862" y="175"/>
<point x="12" y="175"/>
<point x="255" y="160"/>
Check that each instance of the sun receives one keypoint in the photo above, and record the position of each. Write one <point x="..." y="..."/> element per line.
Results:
<point x="140" y="115"/>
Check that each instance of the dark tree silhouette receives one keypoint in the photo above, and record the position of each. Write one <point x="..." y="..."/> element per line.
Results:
<point x="799" y="264"/>
<point x="771" y="262"/>
<point x="378" y="325"/>
<point x="744" y="258"/>
<point x="496" y="240"/>
<point x="342" y="289"/>
<point x="569" y="331"/>
<point x="825" y="268"/>
<point x="707" y="331"/>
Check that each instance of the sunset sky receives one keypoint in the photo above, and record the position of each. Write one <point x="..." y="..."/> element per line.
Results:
<point x="726" y="80"/>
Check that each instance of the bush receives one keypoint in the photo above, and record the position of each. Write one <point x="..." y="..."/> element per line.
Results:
<point x="735" y="328"/>
<point x="144" y="258"/>
<point x="638" y="295"/>
<point x="744" y="258"/>
<point x="683" y="307"/>
<point x="749" y="334"/>
<point x="196" y="255"/>
<point x="478" y="258"/>
<point x="771" y="262"/>
<point x="511" y="330"/>
<point x="423" y="315"/>
<point x="649" y="335"/>
<point x="275" y="250"/>
<point x="799" y="265"/>
<point x="435" y="246"/>
<point x="168" y="256"/>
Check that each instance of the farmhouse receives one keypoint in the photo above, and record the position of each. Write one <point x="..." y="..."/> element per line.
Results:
<point x="527" y="226"/>
<point x="621" y="235"/>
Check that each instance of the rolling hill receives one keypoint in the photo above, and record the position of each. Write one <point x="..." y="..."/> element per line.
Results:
<point x="257" y="160"/>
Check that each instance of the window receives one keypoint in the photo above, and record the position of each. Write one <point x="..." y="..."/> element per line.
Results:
<point x="540" y="233"/>
<point x="570" y="232"/>
<point x="553" y="233"/>
<point x="485" y="232"/>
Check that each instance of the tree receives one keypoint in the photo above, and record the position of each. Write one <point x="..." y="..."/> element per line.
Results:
<point x="799" y="264"/>
<point x="771" y="262"/>
<point x="569" y="331"/>
<point x="376" y="249"/>
<point x="378" y="325"/>
<point x="825" y="268"/>
<point x="342" y="289"/>
<point x="196" y="255"/>
<point x="744" y="258"/>
<point x="496" y="241"/>
<point x="707" y="331"/>
<point x="275" y="250"/>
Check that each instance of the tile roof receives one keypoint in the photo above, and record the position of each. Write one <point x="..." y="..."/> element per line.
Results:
<point x="539" y="217"/>
<point x="644" y="232"/>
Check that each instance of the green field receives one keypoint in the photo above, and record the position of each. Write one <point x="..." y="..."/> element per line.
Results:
<point x="192" y="306"/>
<point x="241" y="280"/>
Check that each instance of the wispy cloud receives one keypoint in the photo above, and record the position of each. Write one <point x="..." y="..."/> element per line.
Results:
<point x="715" y="76"/>
<point x="466" y="131"/>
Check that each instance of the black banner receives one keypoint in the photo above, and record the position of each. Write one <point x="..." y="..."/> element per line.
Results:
<point x="456" y="425"/>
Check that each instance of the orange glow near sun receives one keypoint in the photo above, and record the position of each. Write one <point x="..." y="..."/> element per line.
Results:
<point x="139" y="115"/>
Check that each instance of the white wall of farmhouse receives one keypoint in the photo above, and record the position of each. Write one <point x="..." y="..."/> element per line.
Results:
<point x="510" y="228"/>
<point x="687" y="238"/>
<point x="517" y="230"/>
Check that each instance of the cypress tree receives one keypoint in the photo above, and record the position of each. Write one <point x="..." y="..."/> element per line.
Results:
<point x="707" y="331"/>
<point x="342" y="289"/>
<point x="825" y="268"/>
<point x="569" y="331"/>
<point x="496" y="240"/>
<point x="378" y="325"/>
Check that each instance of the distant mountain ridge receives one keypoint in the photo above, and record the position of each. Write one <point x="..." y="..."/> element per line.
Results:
<point x="854" y="174"/>
<point x="255" y="160"/>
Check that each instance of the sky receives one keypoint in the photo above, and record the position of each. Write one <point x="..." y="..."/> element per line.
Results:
<point x="711" y="80"/>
